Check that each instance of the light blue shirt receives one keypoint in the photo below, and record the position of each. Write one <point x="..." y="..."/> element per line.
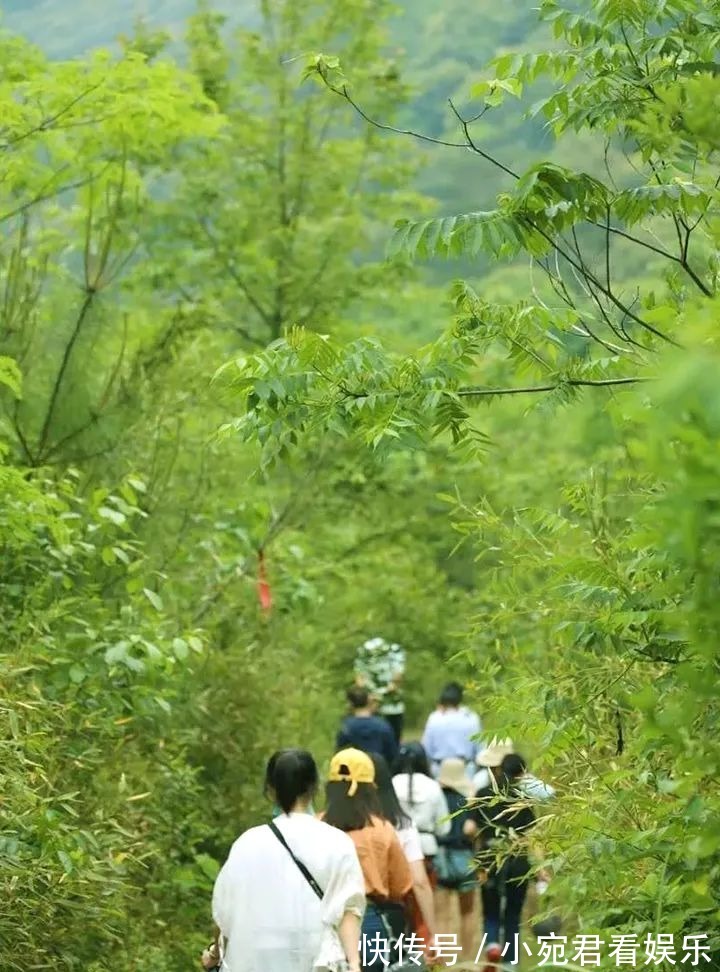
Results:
<point x="451" y="733"/>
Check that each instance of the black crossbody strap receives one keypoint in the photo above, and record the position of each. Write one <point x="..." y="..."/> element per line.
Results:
<point x="301" y="867"/>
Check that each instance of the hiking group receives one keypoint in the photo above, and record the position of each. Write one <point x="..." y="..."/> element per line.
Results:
<point x="409" y="830"/>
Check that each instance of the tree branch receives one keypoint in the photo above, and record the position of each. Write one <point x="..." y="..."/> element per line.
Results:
<point x="344" y="93"/>
<point x="603" y="290"/>
<point x="470" y="144"/>
<point x="97" y="414"/>
<point x="621" y="334"/>
<point x="48" y="122"/>
<point x="264" y="315"/>
<point x="537" y="389"/>
<point x="20" y="434"/>
<point x="43" y="196"/>
<point x="475" y="148"/>
<point x="60" y="377"/>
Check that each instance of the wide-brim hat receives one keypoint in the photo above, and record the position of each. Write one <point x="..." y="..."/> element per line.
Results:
<point x="452" y="775"/>
<point x="495" y="752"/>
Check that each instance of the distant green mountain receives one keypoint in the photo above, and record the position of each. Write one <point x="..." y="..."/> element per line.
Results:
<point x="65" y="28"/>
<point x="441" y="47"/>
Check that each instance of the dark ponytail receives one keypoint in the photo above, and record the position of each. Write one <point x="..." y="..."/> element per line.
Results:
<point x="290" y="774"/>
<point x="511" y="769"/>
<point x="411" y="759"/>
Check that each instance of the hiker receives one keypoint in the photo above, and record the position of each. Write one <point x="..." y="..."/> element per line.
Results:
<point x="421" y="797"/>
<point x="454" y="863"/>
<point x="365" y="731"/>
<point x="352" y="805"/>
<point x="380" y="668"/>
<point x="451" y="730"/>
<point x="290" y="896"/>
<point x="268" y="787"/>
<point x="528" y="785"/>
<point x="496" y="811"/>
<point x="421" y="907"/>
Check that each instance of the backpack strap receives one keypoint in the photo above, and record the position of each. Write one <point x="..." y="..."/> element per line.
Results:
<point x="301" y="867"/>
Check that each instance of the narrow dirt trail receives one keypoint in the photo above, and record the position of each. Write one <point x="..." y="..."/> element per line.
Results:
<point x="448" y="923"/>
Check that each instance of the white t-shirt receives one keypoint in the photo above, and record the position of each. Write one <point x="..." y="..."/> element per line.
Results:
<point x="428" y="810"/>
<point x="265" y="907"/>
<point x="411" y="844"/>
<point x="528" y="785"/>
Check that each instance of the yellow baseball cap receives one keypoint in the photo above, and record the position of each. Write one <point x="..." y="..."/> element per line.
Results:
<point x="352" y="766"/>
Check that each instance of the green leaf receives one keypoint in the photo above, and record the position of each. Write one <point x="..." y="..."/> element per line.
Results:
<point x="115" y="516"/>
<point x="117" y="652"/>
<point x="10" y="375"/>
<point x="181" y="649"/>
<point x="77" y="674"/>
<point x="154" y="598"/>
<point x="208" y="865"/>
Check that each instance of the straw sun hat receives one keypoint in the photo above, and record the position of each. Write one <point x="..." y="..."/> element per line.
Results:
<point x="495" y="752"/>
<point x="453" y="776"/>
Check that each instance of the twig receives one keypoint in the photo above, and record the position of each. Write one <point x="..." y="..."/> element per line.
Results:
<point x="478" y="151"/>
<point x="344" y="93"/>
<point x="252" y="300"/>
<point x="59" y="378"/>
<point x="536" y="389"/>
<point x="48" y="122"/>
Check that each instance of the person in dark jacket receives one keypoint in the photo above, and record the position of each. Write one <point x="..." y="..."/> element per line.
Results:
<point x="365" y="731"/>
<point x="499" y="813"/>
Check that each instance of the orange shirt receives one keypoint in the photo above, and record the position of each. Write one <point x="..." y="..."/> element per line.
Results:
<point x="384" y="865"/>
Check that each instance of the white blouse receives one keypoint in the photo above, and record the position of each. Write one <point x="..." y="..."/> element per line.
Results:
<point x="264" y="906"/>
<point x="529" y="786"/>
<point x="411" y="844"/>
<point x="428" y="810"/>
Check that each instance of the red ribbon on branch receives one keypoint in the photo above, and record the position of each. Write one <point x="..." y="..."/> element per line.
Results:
<point x="264" y="592"/>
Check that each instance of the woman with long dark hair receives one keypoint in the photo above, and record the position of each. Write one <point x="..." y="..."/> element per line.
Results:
<point x="352" y="805"/>
<point x="421" y="906"/>
<point x="422" y="798"/>
<point x="291" y="895"/>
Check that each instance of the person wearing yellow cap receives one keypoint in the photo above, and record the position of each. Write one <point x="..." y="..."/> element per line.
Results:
<point x="352" y="806"/>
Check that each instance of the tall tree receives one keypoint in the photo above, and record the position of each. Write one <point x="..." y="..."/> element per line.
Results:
<point x="81" y="142"/>
<point x="282" y="211"/>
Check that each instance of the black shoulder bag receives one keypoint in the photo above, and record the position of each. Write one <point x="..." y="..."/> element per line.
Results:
<point x="301" y="867"/>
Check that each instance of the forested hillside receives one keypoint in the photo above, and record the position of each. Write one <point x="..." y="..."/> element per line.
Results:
<point x="246" y="422"/>
<point x="437" y="48"/>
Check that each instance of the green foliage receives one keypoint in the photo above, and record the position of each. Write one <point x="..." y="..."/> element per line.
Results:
<point x="10" y="375"/>
<point x="88" y="668"/>
<point x="594" y="526"/>
<point x="160" y="221"/>
<point x="82" y="143"/>
<point x="285" y="233"/>
<point x="599" y="584"/>
<point x="144" y="688"/>
<point x="309" y="385"/>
